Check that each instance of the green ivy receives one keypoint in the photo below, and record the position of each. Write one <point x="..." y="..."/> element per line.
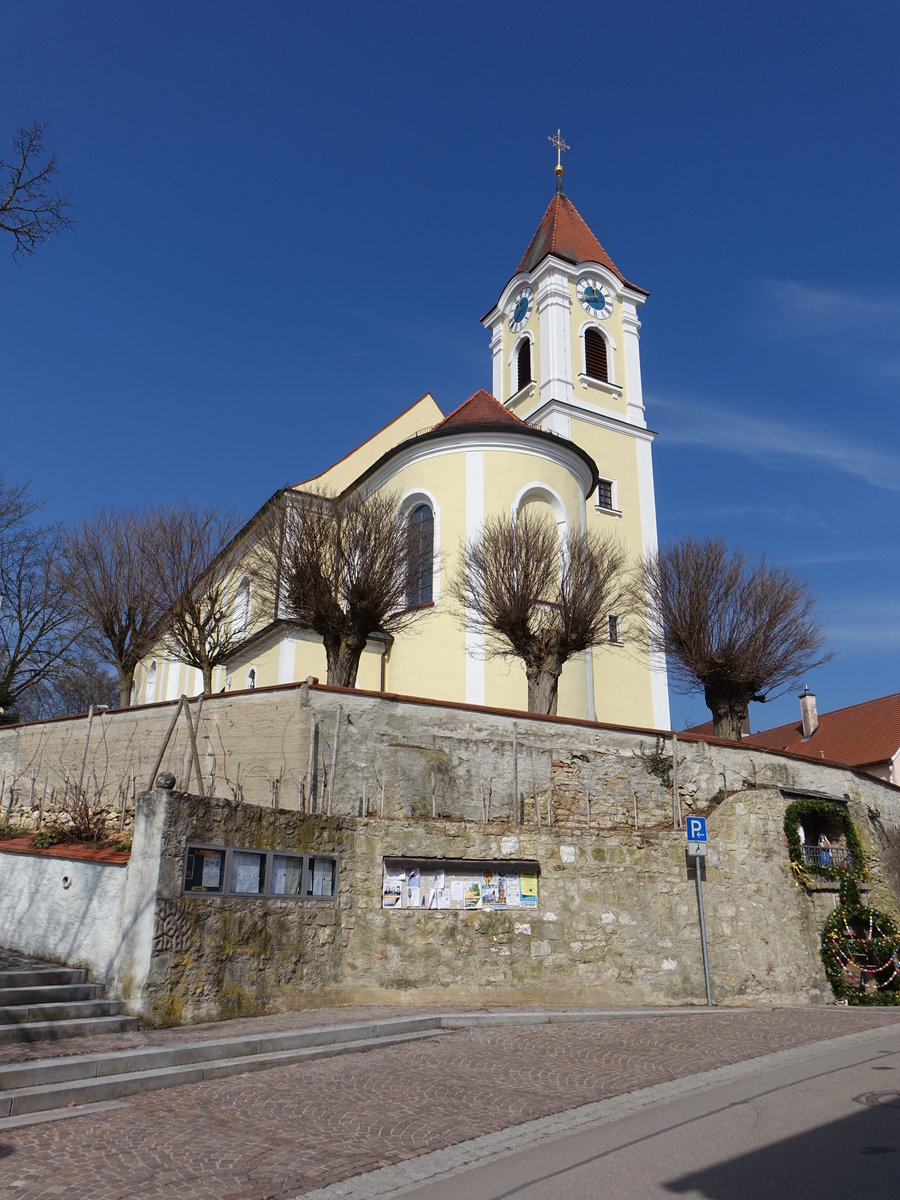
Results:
<point x="882" y="950"/>
<point x="813" y="807"/>
<point x="657" y="763"/>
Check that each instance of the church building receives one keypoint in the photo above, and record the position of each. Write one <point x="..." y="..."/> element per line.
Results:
<point x="564" y="431"/>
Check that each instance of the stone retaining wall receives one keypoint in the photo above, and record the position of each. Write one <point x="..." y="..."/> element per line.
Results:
<point x="616" y="921"/>
<point x="400" y="758"/>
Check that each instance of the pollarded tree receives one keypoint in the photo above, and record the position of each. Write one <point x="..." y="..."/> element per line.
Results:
<point x="736" y="629"/>
<point x="347" y="566"/>
<point x="114" y="580"/>
<point x="541" y="598"/>
<point x="196" y="583"/>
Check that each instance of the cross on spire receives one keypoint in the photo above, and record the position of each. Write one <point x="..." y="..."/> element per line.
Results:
<point x="559" y="143"/>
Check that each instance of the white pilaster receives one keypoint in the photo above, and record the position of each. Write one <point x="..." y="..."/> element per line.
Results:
<point x="634" y="392"/>
<point x="287" y="653"/>
<point x="475" y="689"/>
<point x="659" y="680"/>
<point x="497" y="373"/>
<point x="553" y="306"/>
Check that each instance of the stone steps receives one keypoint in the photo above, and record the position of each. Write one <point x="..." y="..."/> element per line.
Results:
<point x="41" y="1002"/>
<point x="43" y="1086"/>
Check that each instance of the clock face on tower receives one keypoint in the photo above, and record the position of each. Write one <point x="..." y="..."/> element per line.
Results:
<point x="520" y="309"/>
<point x="594" y="297"/>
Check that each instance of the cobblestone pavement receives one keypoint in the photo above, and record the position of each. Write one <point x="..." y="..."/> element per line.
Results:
<point x="272" y="1135"/>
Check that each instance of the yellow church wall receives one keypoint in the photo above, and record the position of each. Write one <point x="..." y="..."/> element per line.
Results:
<point x="421" y="415"/>
<point x="428" y="658"/>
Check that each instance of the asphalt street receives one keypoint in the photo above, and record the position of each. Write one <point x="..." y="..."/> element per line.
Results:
<point x="814" y="1122"/>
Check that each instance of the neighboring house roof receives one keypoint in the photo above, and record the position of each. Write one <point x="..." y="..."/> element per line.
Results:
<point x="480" y="409"/>
<point x="564" y="233"/>
<point x="861" y="735"/>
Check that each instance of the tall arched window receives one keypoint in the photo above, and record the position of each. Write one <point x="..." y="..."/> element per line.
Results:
<point x="251" y="678"/>
<point x="523" y="365"/>
<point x="420" y="563"/>
<point x="595" y="362"/>
<point x="150" y="686"/>
<point x="242" y="606"/>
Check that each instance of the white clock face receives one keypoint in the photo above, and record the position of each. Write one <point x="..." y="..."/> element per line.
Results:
<point x="520" y="309"/>
<point x="594" y="298"/>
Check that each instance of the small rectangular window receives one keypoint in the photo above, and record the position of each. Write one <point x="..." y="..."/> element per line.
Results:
<point x="204" y="870"/>
<point x="247" y="873"/>
<point x="287" y="874"/>
<point x="605" y="494"/>
<point x="320" y="877"/>
<point x="615" y="628"/>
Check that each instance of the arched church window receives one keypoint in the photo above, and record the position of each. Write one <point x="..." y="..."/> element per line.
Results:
<point x="251" y="678"/>
<point x="523" y="365"/>
<point x="595" y="361"/>
<point x="150" y="688"/>
<point x="420" y="563"/>
<point x="242" y="606"/>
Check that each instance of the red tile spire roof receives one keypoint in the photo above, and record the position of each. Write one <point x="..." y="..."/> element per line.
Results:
<point x="564" y="233"/>
<point x="480" y="409"/>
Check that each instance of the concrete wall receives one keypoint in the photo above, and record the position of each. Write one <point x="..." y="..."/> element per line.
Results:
<point x="62" y="909"/>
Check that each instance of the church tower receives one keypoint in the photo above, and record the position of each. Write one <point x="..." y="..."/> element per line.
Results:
<point x="566" y="358"/>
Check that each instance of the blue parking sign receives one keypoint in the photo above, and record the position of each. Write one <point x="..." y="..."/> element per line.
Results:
<point x="696" y="829"/>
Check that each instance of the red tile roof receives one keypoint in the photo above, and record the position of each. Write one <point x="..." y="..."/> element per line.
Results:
<point x="480" y="409"/>
<point x="565" y="233"/>
<point x="859" y="736"/>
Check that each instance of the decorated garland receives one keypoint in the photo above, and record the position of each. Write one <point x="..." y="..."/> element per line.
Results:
<point x="861" y="951"/>
<point x="811" y="806"/>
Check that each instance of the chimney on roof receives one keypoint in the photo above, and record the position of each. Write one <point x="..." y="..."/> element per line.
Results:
<point x="809" y="717"/>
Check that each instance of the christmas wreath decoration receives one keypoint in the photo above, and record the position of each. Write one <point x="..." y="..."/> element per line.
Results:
<point x="861" y="951"/>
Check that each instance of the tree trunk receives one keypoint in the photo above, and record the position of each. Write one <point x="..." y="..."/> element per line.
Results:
<point x="342" y="657"/>
<point x="207" y="670"/>
<point x="543" y="687"/>
<point x="126" y="683"/>
<point x="729" y="714"/>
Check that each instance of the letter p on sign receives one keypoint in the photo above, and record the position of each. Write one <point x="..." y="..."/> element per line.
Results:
<point x="696" y="829"/>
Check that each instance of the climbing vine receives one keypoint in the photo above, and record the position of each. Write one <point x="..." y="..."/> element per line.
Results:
<point x="657" y="763"/>
<point x="861" y="951"/>
<point x="811" y="806"/>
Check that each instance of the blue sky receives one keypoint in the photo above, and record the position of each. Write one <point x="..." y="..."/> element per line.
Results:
<point x="289" y="222"/>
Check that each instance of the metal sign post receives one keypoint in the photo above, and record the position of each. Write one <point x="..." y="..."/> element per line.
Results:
<point x="696" y="839"/>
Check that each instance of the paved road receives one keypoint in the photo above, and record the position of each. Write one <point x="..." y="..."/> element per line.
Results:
<point x="818" y="1122"/>
<point x="276" y="1134"/>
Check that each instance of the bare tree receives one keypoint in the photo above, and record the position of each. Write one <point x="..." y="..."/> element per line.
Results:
<point x="76" y="682"/>
<point x="345" y="567"/>
<point x="735" y="628"/>
<point x="193" y="579"/>
<point x="541" y="599"/>
<point x="29" y="208"/>
<point x="38" y="625"/>
<point x="115" y="585"/>
<point x="15" y="504"/>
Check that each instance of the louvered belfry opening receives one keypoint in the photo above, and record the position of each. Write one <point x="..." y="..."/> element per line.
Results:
<point x="523" y="365"/>
<point x="595" y="355"/>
